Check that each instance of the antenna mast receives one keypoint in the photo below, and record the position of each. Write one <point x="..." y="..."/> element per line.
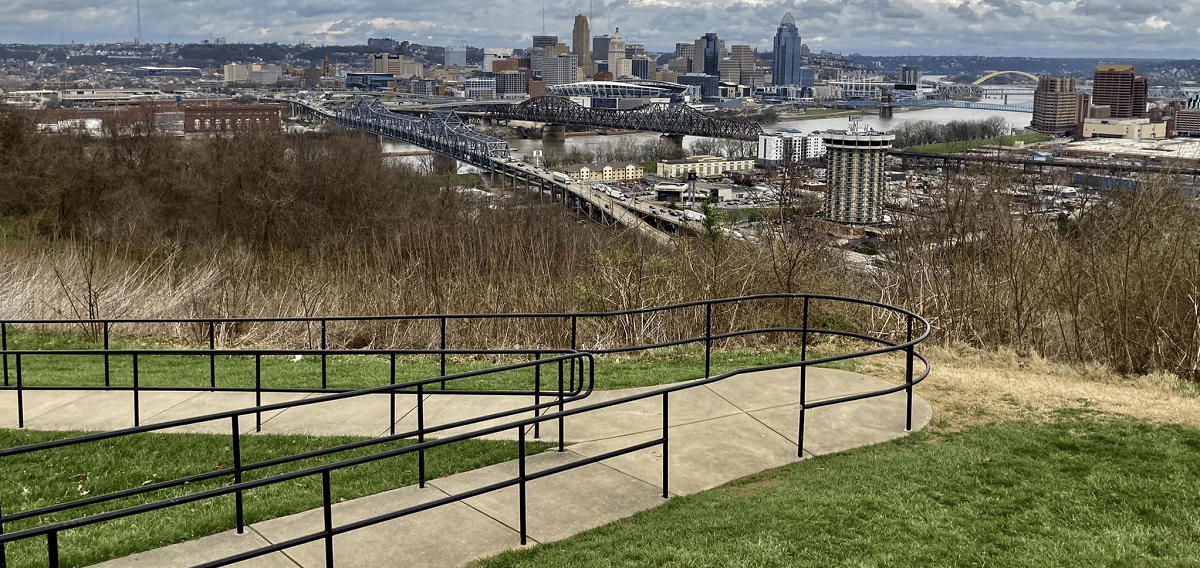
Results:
<point x="138" y="39"/>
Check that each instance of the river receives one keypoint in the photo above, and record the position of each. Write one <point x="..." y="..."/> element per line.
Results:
<point x="524" y="148"/>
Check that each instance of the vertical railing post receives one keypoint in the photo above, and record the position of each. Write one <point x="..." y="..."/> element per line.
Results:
<point x="212" y="357"/>
<point x="324" y="359"/>
<point x="537" y="395"/>
<point x="107" y="382"/>
<point x="803" y="380"/>
<point x="52" y="547"/>
<point x="392" y="396"/>
<point x="20" y="395"/>
<point x="443" y="350"/>
<point x="908" y="375"/>
<point x="136" y="394"/>
<point x="327" y="495"/>
<point x="4" y="347"/>
<point x="237" y="473"/>
<point x="3" y="556"/>
<point x="421" y="434"/>
<point x="665" y="452"/>
<point x="521" y="477"/>
<point x="574" y="331"/>
<point x="708" y="339"/>
<point x="561" y="445"/>
<point x="257" y="391"/>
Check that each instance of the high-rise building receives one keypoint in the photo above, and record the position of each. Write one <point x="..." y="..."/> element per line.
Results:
<point x="600" y="47"/>
<point x="786" y="59"/>
<point x="854" y="172"/>
<point x="618" y="65"/>
<point x="556" y="70"/>
<point x="641" y="67"/>
<point x="456" y="55"/>
<point x="777" y="149"/>
<point x="1057" y="107"/>
<point x="397" y="65"/>
<point x="1122" y="90"/>
<point x="712" y="54"/>
<point x="744" y="56"/>
<point x="512" y="82"/>
<point x="544" y="40"/>
<point x="581" y="43"/>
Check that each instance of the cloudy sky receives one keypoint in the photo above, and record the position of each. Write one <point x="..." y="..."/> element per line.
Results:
<point x="1044" y="28"/>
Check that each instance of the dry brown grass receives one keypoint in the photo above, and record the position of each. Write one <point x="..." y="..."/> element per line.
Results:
<point x="970" y="387"/>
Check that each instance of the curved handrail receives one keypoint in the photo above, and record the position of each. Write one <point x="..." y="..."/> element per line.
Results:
<point x="558" y="398"/>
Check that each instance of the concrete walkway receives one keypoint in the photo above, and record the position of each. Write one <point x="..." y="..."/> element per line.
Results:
<point x="718" y="433"/>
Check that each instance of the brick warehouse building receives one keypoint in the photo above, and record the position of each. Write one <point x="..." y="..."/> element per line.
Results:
<point x="216" y="120"/>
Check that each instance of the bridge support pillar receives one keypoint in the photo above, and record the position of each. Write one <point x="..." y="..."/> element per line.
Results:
<point x="885" y="111"/>
<point x="676" y="141"/>
<point x="554" y="134"/>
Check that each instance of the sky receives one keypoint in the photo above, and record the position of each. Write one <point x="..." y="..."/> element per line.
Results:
<point x="1033" y="28"/>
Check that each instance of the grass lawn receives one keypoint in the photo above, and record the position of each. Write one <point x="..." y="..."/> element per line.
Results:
<point x="1027" y="463"/>
<point x="616" y="371"/>
<point x="1081" y="489"/>
<point x="38" y="480"/>
<point x="953" y="147"/>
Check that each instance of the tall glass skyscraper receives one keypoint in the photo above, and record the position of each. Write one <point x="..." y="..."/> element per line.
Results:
<point x="712" y="54"/>
<point x="785" y="62"/>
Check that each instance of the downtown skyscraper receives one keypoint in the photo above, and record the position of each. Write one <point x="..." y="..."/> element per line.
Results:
<point x="581" y="43"/>
<point x="786" y="59"/>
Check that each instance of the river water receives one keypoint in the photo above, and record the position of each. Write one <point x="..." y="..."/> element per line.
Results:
<point x="526" y="147"/>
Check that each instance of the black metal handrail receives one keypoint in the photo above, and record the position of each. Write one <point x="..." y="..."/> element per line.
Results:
<point x="912" y="336"/>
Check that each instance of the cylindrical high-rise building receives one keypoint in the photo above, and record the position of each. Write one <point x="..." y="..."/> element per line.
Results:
<point x="581" y="46"/>
<point x="855" y="175"/>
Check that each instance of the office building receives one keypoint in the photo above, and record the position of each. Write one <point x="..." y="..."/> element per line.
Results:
<point x="456" y="56"/>
<point x="1187" y="122"/>
<point x="480" y="88"/>
<point x="384" y="42"/>
<point x="712" y="54"/>
<point x="557" y="69"/>
<point x="854" y="172"/>
<point x="600" y="47"/>
<point x="544" y="40"/>
<point x="743" y="55"/>
<point x="397" y="65"/>
<point x="1120" y="89"/>
<point x="1057" y="107"/>
<point x="512" y="83"/>
<point x="581" y="43"/>
<point x="709" y="85"/>
<point x="640" y="67"/>
<point x="786" y="59"/>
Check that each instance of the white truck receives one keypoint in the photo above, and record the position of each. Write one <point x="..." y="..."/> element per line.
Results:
<point x="693" y="215"/>
<point x="559" y="176"/>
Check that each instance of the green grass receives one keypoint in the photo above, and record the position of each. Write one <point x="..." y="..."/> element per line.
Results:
<point x="619" y="371"/>
<point x="37" y="480"/>
<point x="1083" y="490"/>
<point x="953" y="147"/>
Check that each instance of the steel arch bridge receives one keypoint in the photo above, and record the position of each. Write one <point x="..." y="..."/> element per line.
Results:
<point x="677" y="119"/>
<point x="980" y="80"/>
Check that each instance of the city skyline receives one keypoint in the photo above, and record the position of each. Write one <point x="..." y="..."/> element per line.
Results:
<point x="1035" y="28"/>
